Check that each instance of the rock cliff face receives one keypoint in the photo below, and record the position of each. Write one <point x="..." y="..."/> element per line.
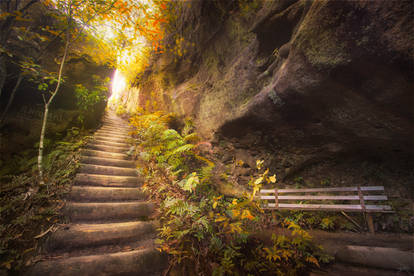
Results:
<point x="303" y="81"/>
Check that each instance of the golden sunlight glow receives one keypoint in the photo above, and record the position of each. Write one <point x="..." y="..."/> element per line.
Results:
<point x="118" y="86"/>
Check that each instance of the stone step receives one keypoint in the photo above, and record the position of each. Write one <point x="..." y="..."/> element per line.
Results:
<point x="110" y="127"/>
<point x="147" y="261"/>
<point x="114" y="119"/>
<point x="105" y="194"/>
<point x="84" y="179"/>
<point x="111" y="143"/>
<point x="107" y="211"/>
<point x="110" y="138"/>
<point x="124" y="146"/>
<point x="114" y="129"/>
<point x="104" y="154"/>
<point x="107" y="162"/>
<point x="116" y="126"/>
<point x="107" y="170"/>
<point x="112" y="134"/>
<point x="111" y="149"/>
<point x="91" y="235"/>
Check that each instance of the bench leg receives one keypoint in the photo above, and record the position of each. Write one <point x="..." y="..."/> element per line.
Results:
<point x="370" y="223"/>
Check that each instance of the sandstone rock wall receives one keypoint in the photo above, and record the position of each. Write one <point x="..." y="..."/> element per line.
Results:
<point x="303" y="80"/>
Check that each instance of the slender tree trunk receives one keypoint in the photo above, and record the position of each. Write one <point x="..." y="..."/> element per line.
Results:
<point x="9" y="103"/>
<point x="3" y="71"/>
<point x="41" y="144"/>
<point x="47" y="104"/>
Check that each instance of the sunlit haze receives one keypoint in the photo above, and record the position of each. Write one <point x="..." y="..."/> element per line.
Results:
<point x="118" y="85"/>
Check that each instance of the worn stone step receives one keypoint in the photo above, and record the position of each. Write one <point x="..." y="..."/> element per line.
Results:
<point x="111" y="143"/>
<point x="123" y="146"/>
<point x="107" y="170"/>
<point x="107" y="211"/>
<point x="114" y="118"/>
<point x="112" y="134"/>
<point x="111" y="127"/>
<point x="91" y="235"/>
<point x="105" y="194"/>
<point x="115" y="130"/>
<point x="115" y="125"/>
<point x="147" y="261"/>
<point x="107" y="180"/>
<point x="107" y="162"/>
<point x="101" y="147"/>
<point x="110" y="138"/>
<point x="104" y="154"/>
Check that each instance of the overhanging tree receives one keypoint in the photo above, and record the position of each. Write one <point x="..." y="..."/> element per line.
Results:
<point x="76" y="15"/>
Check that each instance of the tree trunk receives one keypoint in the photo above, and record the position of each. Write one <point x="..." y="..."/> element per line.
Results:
<point x="9" y="103"/>
<point x="47" y="104"/>
<point x="3" y="71"/>
<point x="41" y="144"/>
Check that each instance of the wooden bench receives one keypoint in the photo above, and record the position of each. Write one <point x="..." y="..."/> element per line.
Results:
<point x="346" y="199"/>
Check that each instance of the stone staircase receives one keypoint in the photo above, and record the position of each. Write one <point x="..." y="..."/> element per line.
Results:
<point x="110" y="231"/>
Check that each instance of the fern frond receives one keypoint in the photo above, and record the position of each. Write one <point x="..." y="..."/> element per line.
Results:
<point x="191" y="137"/>
<point x="182" y="149"/>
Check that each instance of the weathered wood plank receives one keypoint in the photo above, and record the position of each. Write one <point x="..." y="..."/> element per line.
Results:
<point x="331" y="207"/>
<point x="324" y="197"/>
<point x="318" y="190"/>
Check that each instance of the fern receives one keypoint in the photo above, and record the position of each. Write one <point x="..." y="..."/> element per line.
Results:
<point x="191" y="137"/>
<point x="182" y="149"/>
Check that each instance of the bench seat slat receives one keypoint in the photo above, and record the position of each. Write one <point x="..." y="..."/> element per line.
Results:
<point x="331" y="207"/>
<point x="324" y="197"/>
<point x="317" y="190"/>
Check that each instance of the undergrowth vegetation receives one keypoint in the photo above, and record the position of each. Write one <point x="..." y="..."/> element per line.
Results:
<point x="203" y="231"/>
<point x="29" y="211"/>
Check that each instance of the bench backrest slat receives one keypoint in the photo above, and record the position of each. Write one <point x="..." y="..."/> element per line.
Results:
<point x="325" y="197"/>
<point x="318" y="190"/>
<point x="331" y="207"/>
<point x="277" y="199"/>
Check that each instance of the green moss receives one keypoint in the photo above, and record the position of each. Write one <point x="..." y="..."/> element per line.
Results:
<point x="275" y="98"/>
<point x="319" y="39"/>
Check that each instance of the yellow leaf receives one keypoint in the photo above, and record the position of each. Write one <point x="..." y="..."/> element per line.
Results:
<point x="220" y="219"/>
<point x="272" y="178"/>
<point x="258" y="181"/>
<point x="259" y="164"/>
<point x="236" y="213"/>
<point x="312" y="260"/>
<point x="215" y="204"/>
<point x="247" y="214"/>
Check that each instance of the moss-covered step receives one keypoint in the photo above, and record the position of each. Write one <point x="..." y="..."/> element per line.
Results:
<point x="107" y="162"/>
<point x="104" y="154"/>
<point x="89" y="235"/>
<point x="107" y="211"/>
<point x="147" y="261"/>
<point x="101" y="194"/>
<point x="107" y="180"/>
